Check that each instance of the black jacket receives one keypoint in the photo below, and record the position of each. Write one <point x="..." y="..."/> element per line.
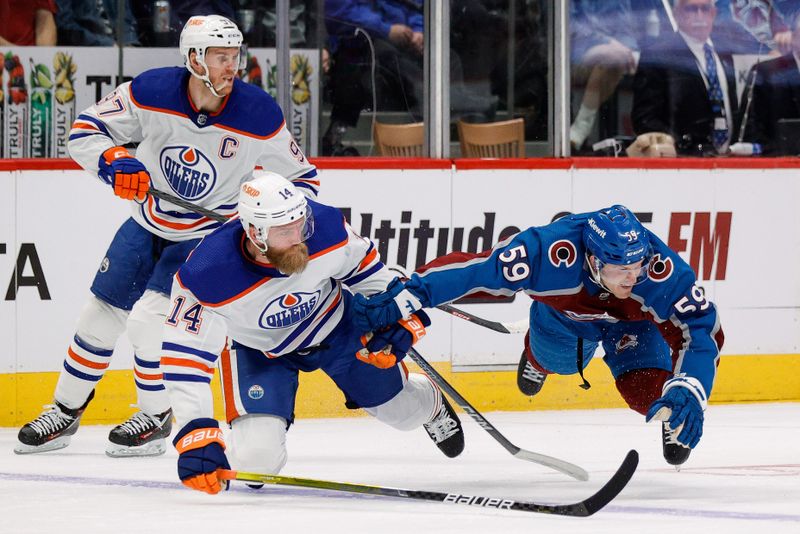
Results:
<point x="670" y="96"/>
<point x="776" y="95"/>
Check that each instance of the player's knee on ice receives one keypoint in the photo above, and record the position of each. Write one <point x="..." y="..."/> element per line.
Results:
<point x="257" y="444"/>
<point x="410" y="408"/>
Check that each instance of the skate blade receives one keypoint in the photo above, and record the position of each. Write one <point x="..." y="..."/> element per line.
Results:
<point x="154" y="448"/>
<point x="54" y="445"/>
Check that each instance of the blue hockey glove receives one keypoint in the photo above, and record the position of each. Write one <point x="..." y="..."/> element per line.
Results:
<point x="201" y="452"/>
<point x="391" y="344"/>
<point x="382" y="309"/>
<point x="681" y="406"/>
<point x="124" y="173"/>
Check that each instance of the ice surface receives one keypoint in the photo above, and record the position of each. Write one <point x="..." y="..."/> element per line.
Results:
<point x="744" y="477"/>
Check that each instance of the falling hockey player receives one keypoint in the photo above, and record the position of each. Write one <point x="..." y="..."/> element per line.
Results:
<point x="272" y="296"/>
<point x="201" y="131"/>
<point x="597" y="277"/>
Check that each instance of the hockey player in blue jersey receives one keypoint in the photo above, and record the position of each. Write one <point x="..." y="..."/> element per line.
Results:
<point x="200" y="133"/>
<point x="595" y="278"/>
<point x="266" y="299"/>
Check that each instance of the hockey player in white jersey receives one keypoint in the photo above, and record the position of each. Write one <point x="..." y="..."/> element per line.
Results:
<point x="200" y="133"/>
<point x="272" y="296"/>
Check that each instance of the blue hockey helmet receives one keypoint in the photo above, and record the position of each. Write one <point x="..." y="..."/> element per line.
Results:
<point x="615" y="236"/>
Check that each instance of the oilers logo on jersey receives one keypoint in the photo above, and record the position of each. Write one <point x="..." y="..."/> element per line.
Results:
<point x="188" y="171"/>
<point x="288" y="310"/>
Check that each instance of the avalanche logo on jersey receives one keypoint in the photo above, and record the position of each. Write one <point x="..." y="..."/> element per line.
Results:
<point x="628" y="341"/>
<point x="288" y="310"/>
<point x="189" y="172"/>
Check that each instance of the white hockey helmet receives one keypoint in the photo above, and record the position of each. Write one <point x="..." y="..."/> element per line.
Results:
<point x="269" y="200"/>
<point x="204" y="31"/>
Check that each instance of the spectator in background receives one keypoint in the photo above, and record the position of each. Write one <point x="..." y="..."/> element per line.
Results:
<point x="754" y="26"/>
<point x="27" y="22"/>
<point x="393" y="29"/>
<point x="603" y="45"/>
<point x="179" y="11"/>
<point x="774" y="97"/>
<point x="684" y="87"/>
<point x="92" y="23"/>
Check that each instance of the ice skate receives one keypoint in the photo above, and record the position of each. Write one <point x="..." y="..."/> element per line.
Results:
<point x="445" y="430"/>
<point x="529" y="379"/>
<point x="141" y="435"/>
<point x="52" y="430"/>
<point x="674" y="453"/>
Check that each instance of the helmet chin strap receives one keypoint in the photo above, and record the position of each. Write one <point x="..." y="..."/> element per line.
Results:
<point x="204" y="77"/>
<point x="594" y="271"/>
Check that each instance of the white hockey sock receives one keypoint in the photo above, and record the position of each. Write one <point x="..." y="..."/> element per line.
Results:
<point x="144" y="330"/>
<point x="89" y="355"/>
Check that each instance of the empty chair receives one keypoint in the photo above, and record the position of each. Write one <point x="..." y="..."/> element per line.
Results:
<point x="399" y="140"/>
<point x="504" y="139"/>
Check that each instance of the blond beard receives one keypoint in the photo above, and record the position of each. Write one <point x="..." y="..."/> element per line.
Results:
<point x="291" y="260"/>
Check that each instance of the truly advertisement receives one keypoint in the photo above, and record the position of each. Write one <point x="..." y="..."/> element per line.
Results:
<point x="44" y="88"/>
<point x="302" y="120"/>
<point x="15" y="120"/>
<point x="64" y="71"/>
<point x="41" y="114"/>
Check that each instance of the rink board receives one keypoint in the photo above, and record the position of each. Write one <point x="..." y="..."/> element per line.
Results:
<point x="55" y="222"/>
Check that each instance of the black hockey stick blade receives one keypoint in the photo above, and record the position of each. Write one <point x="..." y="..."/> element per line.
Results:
<point x="584" y="508"/>
<point x="161" y="195"/>
<point x="567" y="468"/>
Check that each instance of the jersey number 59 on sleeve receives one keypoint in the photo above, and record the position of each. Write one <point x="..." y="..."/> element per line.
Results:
<point x="517" y="268"/>
<point x="694" y="301"/>
<point x="192" y="316"/>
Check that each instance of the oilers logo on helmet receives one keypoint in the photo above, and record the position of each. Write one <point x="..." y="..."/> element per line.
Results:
<point x="288" y="310"/>
<point x="188" y="171"/>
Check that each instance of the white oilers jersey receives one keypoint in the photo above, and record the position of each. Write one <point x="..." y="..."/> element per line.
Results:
<point x="198" y="156"/>
<point x="221" y="293"/>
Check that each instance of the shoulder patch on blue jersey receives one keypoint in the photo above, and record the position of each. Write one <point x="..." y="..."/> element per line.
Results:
<point x="562" y="252"/>
<point x="251" y="110"/>
<point x="660" y="268"/>
<point x="216" y="271"/>
<point x="329" y="229"/>
<point x="161" y="88"/>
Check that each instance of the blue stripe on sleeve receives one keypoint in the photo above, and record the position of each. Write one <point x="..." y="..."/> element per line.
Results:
<point x="100" y="124"/>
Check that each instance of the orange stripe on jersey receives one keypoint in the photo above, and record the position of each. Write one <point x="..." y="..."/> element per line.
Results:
<point x="151" y="108"/>
<point x="227" y="385"/>
<point x="306" y="180"/>
<point x="85" y="362"/>
<point x="329" y="249"/>
<point x="169" y="224"/>
<point x="199" y="438"/>
<point x="405" y="369"/>
<point x="226" y="301"/>
<point x="367" y="259"/>
<point x="84" y="126"/>
<point x="248" y="134"/>
<point x="143" y="376"/>
<point x="180" y="362"/>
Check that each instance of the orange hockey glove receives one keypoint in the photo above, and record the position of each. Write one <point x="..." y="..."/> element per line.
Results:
<point x="389" y="345"/>
<point x="124" y="173"/>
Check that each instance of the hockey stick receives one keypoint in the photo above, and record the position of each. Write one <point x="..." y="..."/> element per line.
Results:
<point x="567" y="468"/>
<point x="584" y="508"/>
<point x="161" y="195"/>
<point x="517" y="327"/>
